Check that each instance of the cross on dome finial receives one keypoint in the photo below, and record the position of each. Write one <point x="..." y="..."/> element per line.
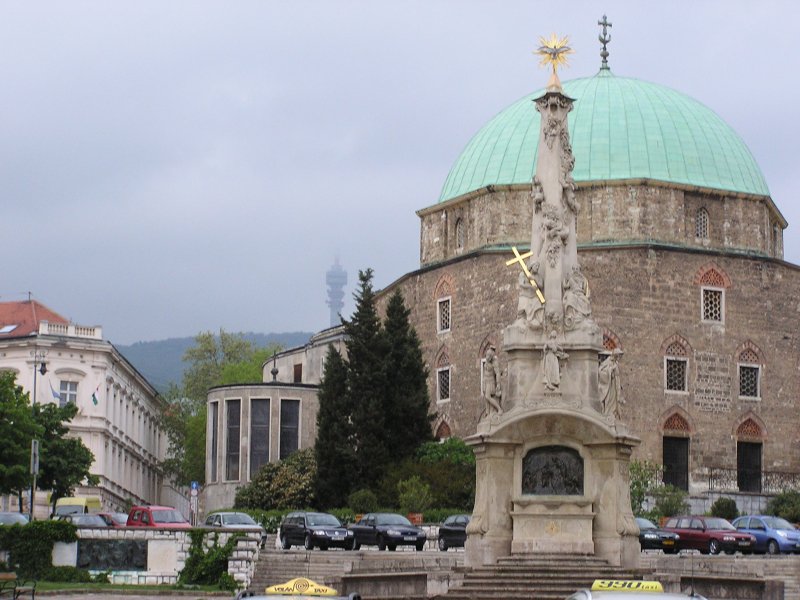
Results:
<point x="604" y="38"/>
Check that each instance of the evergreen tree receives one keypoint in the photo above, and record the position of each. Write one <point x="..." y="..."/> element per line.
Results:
<point x="366" y="386"/>
<point x="334" y="450"/>
<point x="406" y="399"/>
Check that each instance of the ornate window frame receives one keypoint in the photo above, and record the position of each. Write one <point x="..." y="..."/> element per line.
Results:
<point x="701" y="222"/>
<point x="444" y="314"/>
<point x="712" y="280"/>
<point x="444" y="379"/>
<point x="749" y="358"/>
<point x="676" y="351"/>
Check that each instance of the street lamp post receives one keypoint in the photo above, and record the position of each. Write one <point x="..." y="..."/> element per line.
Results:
<point x="39" y="366"/>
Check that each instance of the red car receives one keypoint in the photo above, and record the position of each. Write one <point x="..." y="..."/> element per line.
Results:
<point x="709" y="535"/>
<point x="157" y="516"/>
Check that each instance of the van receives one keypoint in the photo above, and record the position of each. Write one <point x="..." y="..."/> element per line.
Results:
<point x="77" y="505"/>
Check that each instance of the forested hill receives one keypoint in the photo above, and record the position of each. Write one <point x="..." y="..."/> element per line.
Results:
<point x="161" y="362"/>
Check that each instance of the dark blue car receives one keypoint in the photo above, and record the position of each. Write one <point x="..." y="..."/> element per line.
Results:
<point x="774" y="535"/>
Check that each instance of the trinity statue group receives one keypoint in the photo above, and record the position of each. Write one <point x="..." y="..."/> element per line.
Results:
<point x="551" y="451"/>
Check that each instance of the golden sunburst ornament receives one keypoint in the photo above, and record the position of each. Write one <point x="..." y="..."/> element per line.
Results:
<point x="554" y="51"/>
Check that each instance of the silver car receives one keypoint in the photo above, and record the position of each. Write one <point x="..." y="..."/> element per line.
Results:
<point x="235" y="520"/>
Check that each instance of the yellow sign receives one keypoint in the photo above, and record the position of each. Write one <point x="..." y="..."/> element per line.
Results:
<point x="520" y="258"/>
<point x="626" y="585"/>
<point x="301" y="586"/>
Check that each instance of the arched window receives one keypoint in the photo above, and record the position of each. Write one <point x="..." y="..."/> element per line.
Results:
<point x="701" y="224"/>
<point x="443" y="378"/>
<point x="749" y="366"/>
<point x="712" y="282"/>
<point x="676" y="363"/>
<point x="443" y="431"/>
<point x="460" y="235"/>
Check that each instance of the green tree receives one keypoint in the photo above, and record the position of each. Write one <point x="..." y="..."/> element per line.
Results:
<point x="214" y="360"/>
<point x="17" y="429"/>
<point x="64" y="462"/>
<point x="334" y="448"/>
<point x="406" y="400"/>
<point x="642" y="476"/>
<point x="366" y="385"/>
<point x="285" y="484"/>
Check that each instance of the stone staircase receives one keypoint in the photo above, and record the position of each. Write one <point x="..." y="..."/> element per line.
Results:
<point x="540" y="576"/>
<point x="277" y="566"/>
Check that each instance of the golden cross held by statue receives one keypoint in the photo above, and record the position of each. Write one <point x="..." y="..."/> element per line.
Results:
<point x="520" y="258"/>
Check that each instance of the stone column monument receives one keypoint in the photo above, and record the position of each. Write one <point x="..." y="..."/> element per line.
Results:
<point x="552" y="466"/>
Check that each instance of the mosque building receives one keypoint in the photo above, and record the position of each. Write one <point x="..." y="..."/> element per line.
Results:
<point x="682" y="246"/>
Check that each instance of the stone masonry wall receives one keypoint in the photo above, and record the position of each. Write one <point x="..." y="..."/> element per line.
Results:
<point x="644" y="212"/>
<point x="642" y="296"/>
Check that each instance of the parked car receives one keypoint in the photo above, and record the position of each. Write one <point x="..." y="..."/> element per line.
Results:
<point x="314" y="529"/>
<point x="13" y="518"/>
<point x="773" y="534"/>
<point x="709" y="535"/>
<point x="157" y="516"/>
<point x="655" y="538"/>
<point x="114" y="519"/>
<point x="84" y="520"/>
<point x="453" y="532"/>
<point x="387" y="530"/>
<point x="235" y="520"/>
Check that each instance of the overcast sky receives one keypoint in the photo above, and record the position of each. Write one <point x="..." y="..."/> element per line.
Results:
<point x="174" y="167"/>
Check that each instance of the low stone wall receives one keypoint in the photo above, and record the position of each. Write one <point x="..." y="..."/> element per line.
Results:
<point x="760" y="576"/>
<point x="140" y="556"/>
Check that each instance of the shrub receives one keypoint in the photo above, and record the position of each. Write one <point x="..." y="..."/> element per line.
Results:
<point x="437" y="515"/>
<point x="363" y="501"/>
<point x="786" y="505"/>
<point x="283" y="484"/>
<point x="30" y="546"/>
<point x="209" y="567"/>
<point x="642" y="476"/>
<point x="725" y="508"/>
<point x="669" y="501"/>
<point x="414" y="495"/>
<point x="67" y="575"/>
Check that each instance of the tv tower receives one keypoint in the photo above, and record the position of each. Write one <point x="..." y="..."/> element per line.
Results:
<point x="336" y="278"/>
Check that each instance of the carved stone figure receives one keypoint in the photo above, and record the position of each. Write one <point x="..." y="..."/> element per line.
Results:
<point x="576" y="302"/>
<point x="530" y="311"/>
<point x="609" y="384"/>
<point x="492" y="392"/>
<point x="552" y="353"/>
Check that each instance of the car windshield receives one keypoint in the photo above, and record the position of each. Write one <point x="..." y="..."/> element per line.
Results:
<point x="323" y="519"/>
<point x="778" y="523"/>
<point x="89" y="521"/>
<point x="390" y="519"/>
<point x="238" y="519"/>
<point x="645" y="523"/>
<point x="167" y="516"/>
<point x="716" y="523"/>
<point x="11" y="518"/>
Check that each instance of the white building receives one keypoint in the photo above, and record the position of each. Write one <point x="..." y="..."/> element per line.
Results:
<point x="118" y="409"/>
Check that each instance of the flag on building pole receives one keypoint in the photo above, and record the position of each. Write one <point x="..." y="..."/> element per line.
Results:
<point x="94" y="395"/>
<point x="56" y="395"/>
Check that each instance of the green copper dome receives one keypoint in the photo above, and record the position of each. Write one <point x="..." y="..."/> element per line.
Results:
<point x="620" y="128"/>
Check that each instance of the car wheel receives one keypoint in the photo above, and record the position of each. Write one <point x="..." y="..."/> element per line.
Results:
<point x="420" y="546"/>
<point x="670" y="550"/>
<point x="381" y="543"/>
<point x="442" y="545"/>
<point x="285" y="543"/>
<point x="773" y="548"/>
<point x="323" y="547"/>
<point x="714" y="547"/>
<point x="392" y="547"/>
<point x="307" y="543"/>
